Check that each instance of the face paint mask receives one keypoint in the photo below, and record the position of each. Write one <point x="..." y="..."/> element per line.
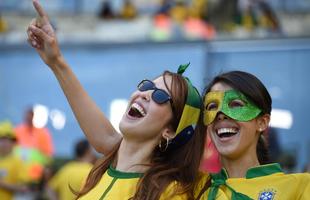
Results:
<point x="232" y="103"/>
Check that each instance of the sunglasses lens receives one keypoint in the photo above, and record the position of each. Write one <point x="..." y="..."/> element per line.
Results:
<point x="160" y="96"/>
<point x="146" y="85"/>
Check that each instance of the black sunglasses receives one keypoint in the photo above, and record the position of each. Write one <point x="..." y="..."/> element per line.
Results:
<point x="159" y="96"/>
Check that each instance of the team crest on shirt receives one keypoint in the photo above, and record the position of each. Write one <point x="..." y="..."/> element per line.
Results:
<point x="267" y="194"/>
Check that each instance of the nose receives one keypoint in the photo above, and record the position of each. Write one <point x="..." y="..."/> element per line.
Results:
<point x="221" y="116"/>
<point x="145" y="95"/>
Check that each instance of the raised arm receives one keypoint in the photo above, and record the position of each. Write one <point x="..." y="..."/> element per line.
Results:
<point x="92" y="121"/>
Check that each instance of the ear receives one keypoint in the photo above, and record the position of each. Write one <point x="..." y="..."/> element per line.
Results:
<point x="168" y="133"/>
<point x="263" y="122"/>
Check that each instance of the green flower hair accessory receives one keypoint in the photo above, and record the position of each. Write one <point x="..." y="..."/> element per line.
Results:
<point x="182" y="68"/>
<point x="190" y="114"/>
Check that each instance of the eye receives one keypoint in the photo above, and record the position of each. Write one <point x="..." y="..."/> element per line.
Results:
<point x="237" y="103"/>
<point x="211" y="106"/>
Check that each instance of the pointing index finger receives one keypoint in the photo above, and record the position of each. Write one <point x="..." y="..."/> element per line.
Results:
<point x="39" y="9"/>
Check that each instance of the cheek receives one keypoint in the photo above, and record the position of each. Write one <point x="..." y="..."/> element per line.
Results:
<point x="249" y="130"/>
<point x="209" y="131"/>
<point x="161" y="114"/>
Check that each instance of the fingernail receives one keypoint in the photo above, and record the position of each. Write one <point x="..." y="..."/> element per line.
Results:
<point x="34" y="43"/>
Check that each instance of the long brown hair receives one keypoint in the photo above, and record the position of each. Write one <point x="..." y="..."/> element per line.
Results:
<point x="179" y="165"/>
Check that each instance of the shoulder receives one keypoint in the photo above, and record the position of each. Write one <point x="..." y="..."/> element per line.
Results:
<point x="300" y="177"/>
<point x="303" y="182"/>
<point x="303" y="179"/>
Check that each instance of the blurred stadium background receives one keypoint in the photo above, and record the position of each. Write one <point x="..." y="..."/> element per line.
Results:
<point x="112" y="45"/>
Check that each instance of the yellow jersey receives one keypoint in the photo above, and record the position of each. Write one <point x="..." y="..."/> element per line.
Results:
<point x="119" y="185"/>
<point x="12" y="171"/>
<point x="72" y="174"/>
<point x="265" y="182"/>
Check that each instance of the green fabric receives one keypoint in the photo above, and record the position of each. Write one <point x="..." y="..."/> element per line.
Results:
<point x="263" y="170"/>
<point x="220" y="178"/>
<point x="227" y="102"/>
<point x="193" y="98"/>
<point x="118" y="174"/>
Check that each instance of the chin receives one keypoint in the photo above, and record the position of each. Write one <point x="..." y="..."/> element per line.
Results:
<point x="227" y="151"/>
<point x="127" y="128"/>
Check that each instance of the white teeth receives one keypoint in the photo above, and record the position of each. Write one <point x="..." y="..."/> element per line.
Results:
<point x="226" y="130"/>
<point x="139" y="108"/>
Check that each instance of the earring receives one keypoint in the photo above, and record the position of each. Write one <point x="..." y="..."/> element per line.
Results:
<point x="163" y="148"/>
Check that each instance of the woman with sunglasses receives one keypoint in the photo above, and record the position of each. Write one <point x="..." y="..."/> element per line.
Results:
<point x="237" y="109"/>
<point x="158" y="154"/>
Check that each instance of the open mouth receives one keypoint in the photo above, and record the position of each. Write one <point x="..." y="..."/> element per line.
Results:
<point x="226" y="132"/>
<point x="136" y="111"/>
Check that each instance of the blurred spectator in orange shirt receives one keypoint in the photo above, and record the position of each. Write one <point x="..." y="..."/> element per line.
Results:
<point x="34" y="145"/>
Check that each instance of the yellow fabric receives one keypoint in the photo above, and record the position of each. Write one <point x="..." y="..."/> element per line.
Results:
<point x="190" y="118"/>
<point x="169" y="193"/>
<point x="128" y="11"/>
<point x="202" y="180"/>
<point x="3" y="25"/>
<point x="281" y="186"/>
<point x="179" y="13"/>
<point x="113" y="188"/>
<point x="12" y="171"/>
<point x="122" y="186"/>
<point x="74" y="174"/>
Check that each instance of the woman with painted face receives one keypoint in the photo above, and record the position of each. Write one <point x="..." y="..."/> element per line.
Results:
<point x="158" y="154"/>
<point x="237" y="109"/>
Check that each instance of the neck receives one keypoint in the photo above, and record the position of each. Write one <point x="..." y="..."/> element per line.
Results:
<point x="134" y="156"/>
<point x="237" y="168"/>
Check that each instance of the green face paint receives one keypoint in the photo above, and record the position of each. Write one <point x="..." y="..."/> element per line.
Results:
<point x="232" y="103"/>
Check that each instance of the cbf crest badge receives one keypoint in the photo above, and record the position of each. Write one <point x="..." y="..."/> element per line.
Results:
<point x="267" y="194"/>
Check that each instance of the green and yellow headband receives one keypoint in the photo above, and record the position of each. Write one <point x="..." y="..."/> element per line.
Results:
<point x="232" y="103"/>
<point x="190" y="114"/>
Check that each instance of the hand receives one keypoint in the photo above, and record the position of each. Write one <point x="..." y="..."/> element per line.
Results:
<point x="42" y="37"/>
